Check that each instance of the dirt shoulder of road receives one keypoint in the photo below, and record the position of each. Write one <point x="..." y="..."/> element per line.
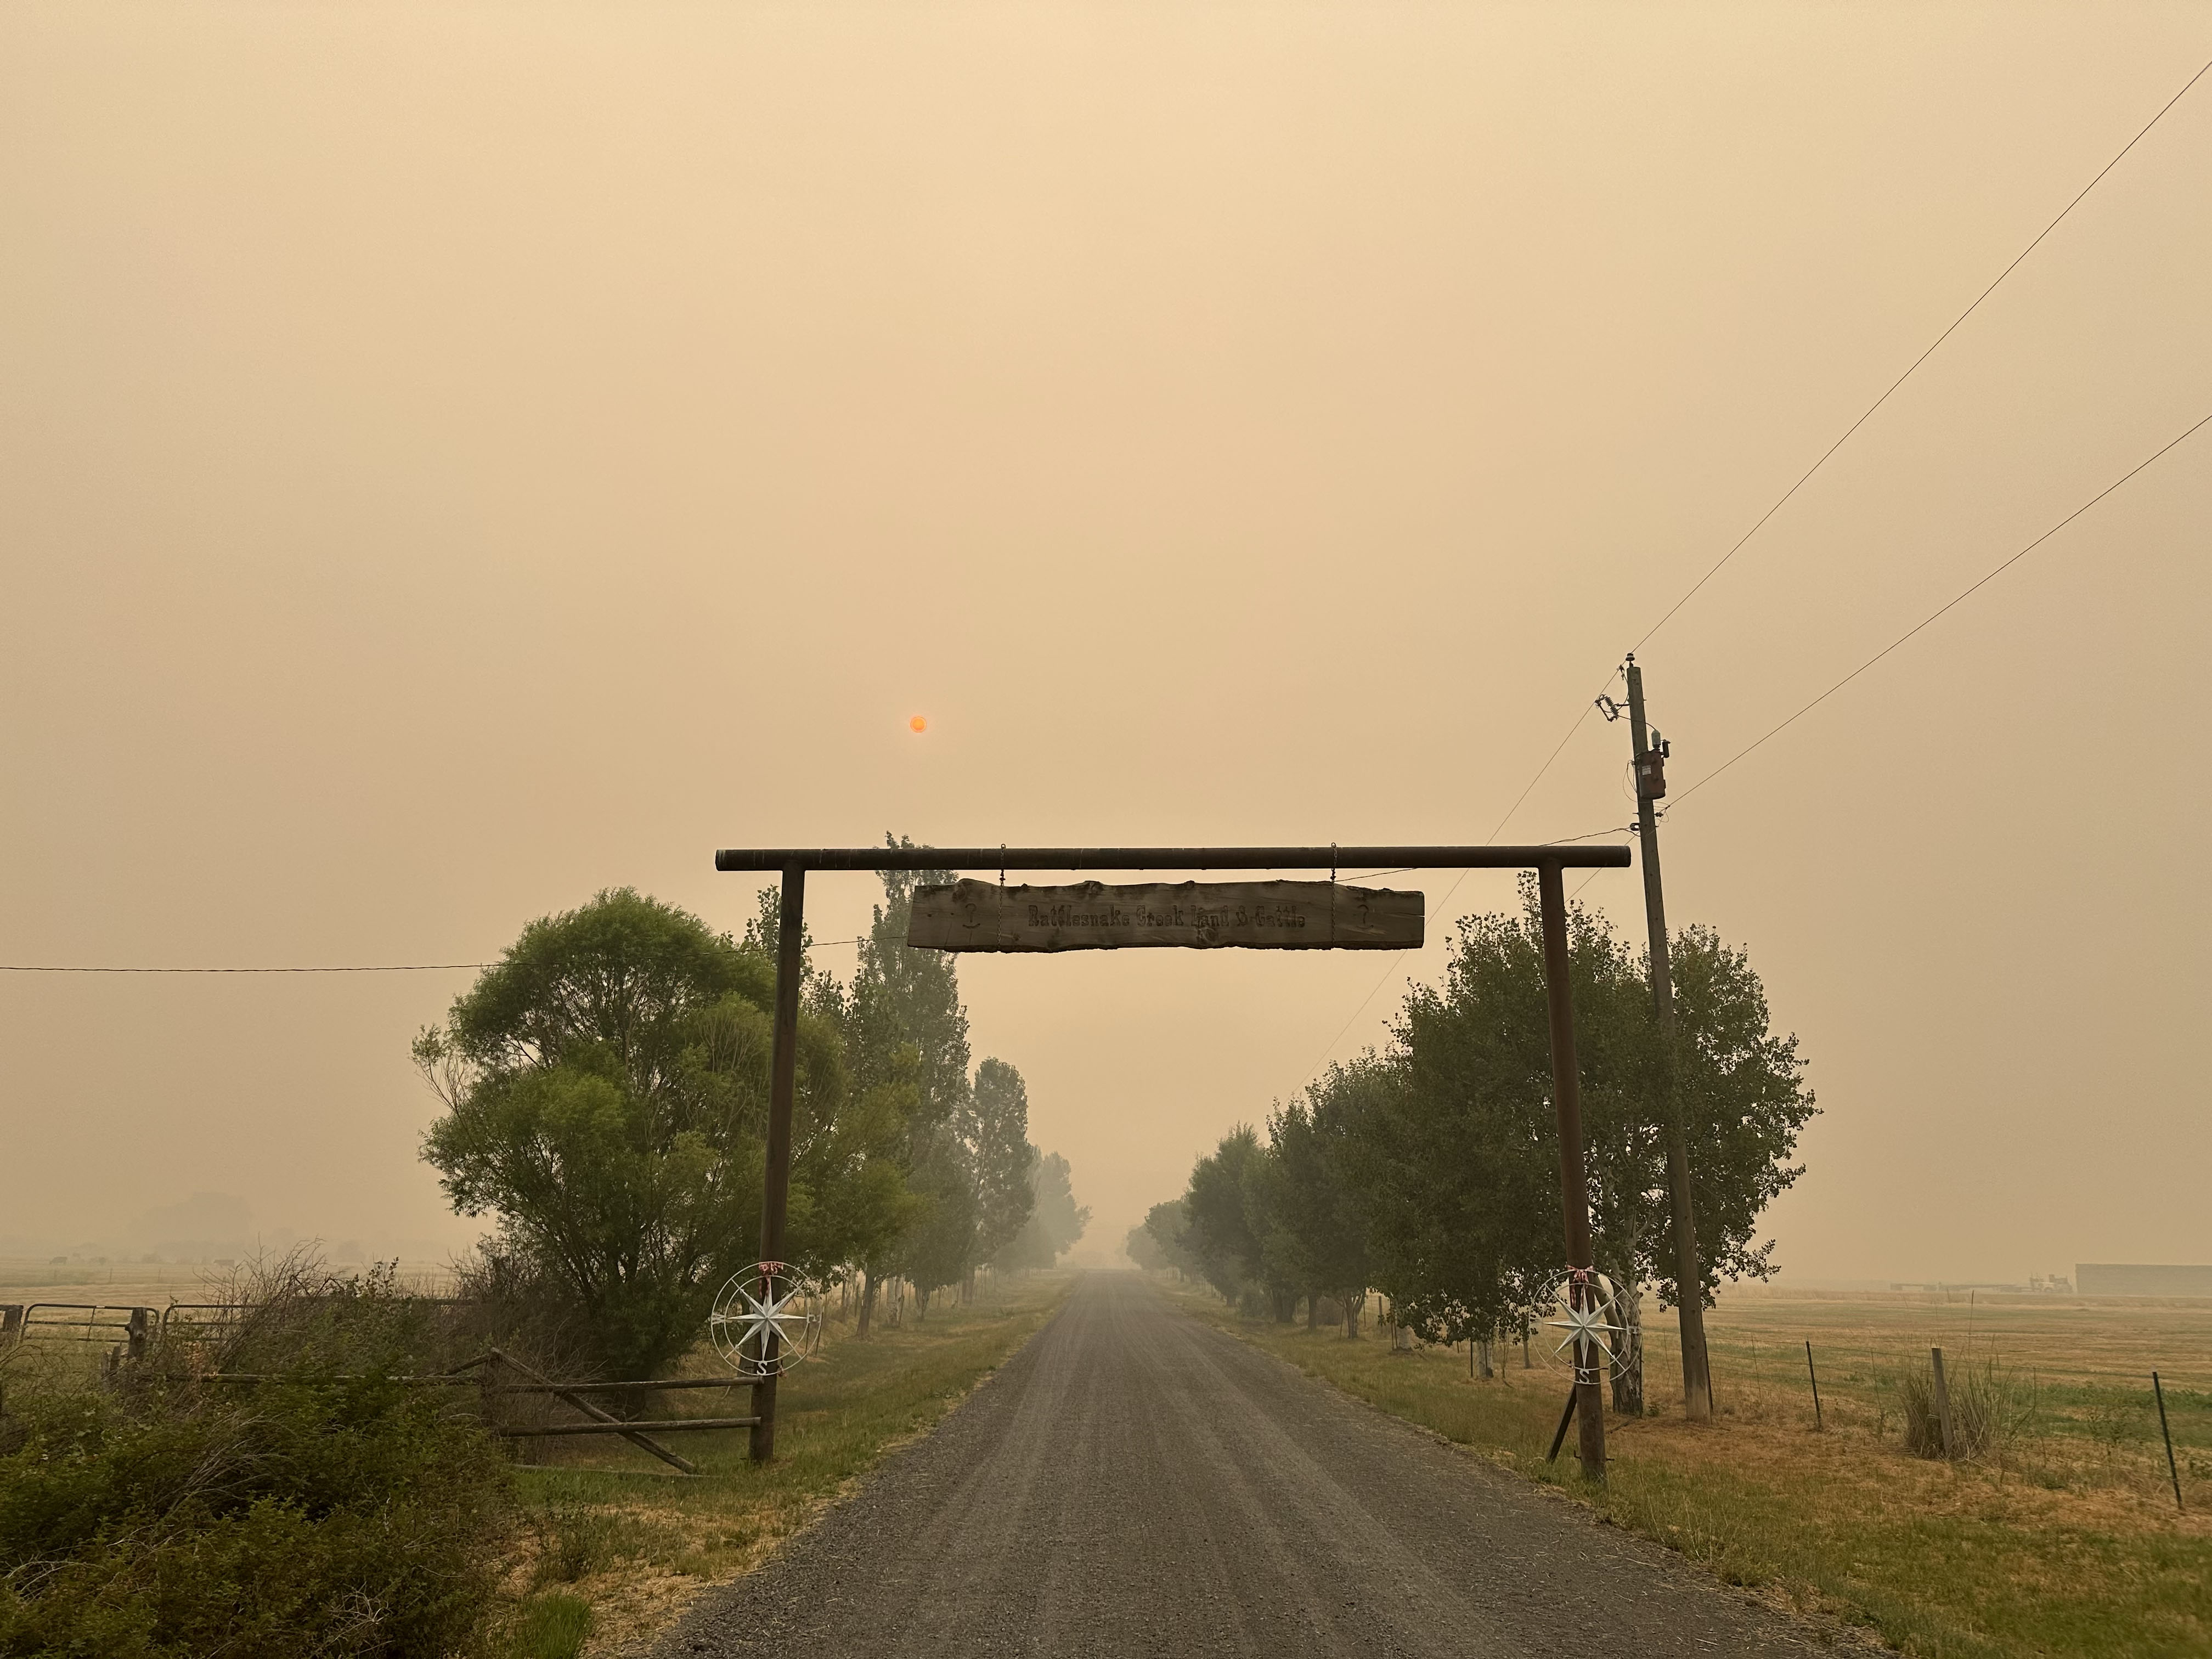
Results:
<point x="2065" y="1542"/>
<point x="619" y="1550"/>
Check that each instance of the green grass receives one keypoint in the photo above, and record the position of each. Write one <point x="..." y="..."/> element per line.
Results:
<point x="552" y="1625"/>
<point x="2064" y="1545"/>
<point x="630" y="1542"/>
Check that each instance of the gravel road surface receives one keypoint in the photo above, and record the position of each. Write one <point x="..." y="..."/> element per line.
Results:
<point x="1134" y="1482"/>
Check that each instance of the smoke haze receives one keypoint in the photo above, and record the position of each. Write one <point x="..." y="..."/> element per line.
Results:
<point x="454" y="460"/>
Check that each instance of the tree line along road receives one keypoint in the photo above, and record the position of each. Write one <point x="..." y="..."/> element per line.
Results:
<point x="1136" y="1483"/>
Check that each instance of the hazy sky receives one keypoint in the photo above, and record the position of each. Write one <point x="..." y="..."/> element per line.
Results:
<point x="457" y="457"/>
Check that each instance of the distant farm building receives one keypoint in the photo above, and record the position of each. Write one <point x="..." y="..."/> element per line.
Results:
<point x="2121" y="1279"/>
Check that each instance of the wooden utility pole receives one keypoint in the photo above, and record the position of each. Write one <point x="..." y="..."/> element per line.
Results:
<point x="1574" y="1183"/>
<point x="783" y="1069"/>
<point x="1689" y="1272"/>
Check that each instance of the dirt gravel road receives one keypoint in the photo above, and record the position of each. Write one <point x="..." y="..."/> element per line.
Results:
<point x="1134" y="1483"/>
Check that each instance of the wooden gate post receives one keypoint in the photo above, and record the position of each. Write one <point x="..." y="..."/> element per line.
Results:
<point x="783" y="1062"/>
<point x="1574" y="1184"/>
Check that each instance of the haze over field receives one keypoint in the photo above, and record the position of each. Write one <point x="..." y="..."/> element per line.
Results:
<point x="457" y="460"/>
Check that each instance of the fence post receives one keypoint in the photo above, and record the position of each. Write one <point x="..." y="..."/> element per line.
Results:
<point x="1944" y="1405"/>
<point x="11" y="1318"/>
<point x="487" y="1401"/>
<point x="1819" y="1426"/>
<point x="2172" y="1467"/>
<point x="140" y="1319"/>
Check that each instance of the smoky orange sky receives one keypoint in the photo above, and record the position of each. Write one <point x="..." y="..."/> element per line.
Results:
<point x="456" y="458"/>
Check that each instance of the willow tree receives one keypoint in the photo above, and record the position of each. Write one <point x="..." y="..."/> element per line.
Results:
<point x="605" y="1086"/>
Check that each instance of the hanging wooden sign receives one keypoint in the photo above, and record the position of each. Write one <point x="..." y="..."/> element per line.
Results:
<point x="1203" y="915"/>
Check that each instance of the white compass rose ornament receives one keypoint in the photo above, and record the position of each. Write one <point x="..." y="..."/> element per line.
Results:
<point x="1584" y="1313"/>
<point x="766" y="1319"/>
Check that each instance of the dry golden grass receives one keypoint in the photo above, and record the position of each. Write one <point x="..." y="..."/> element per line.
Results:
<point x="79" y="1329"/>
<point x="120" y="1283"/>
<point x="2083" y="1366"/>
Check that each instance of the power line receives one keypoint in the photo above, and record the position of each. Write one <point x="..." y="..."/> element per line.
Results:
<point x="1437" y="909"/>
<point x="1916" y="361"/>
<point x="1949" y="604"/>
<point x="1583" y="882"/>
<point x="349" y="968"/>
<point x="1595" y="834"/>
<point x="1691" y="592"/>
<point x="1584" y="713"/>
<point x="1558" y="749"/>
<point x="1781" y="501"/>
<point x="374" y="968"/>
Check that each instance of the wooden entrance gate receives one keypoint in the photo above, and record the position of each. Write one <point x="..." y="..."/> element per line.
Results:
<point x="1229" y="914"/>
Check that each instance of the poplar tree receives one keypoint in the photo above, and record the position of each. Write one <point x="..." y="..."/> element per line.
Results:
<point x="1000" y="1155"/>
<point x="905" y="1027"/>
<point x="1316" y="1233"/>
<point x="1166" y="1229"/>
<point x="1220" y="1213"/>
<point x="1055" y="1222"/>
<point x="1430" y="1170"/>
<point x="1458" y="1146"/>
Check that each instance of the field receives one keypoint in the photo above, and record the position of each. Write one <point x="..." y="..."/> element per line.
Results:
<point x="76" y="1309"/>
<point x="149" y="1284"/>
<point x="620" y="1546"/>
<point x="2064" y="1538"/>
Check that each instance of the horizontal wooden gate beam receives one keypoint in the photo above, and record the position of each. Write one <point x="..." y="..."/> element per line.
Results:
<point x="627" y="1427"/>
<point x="1170" y="858"/>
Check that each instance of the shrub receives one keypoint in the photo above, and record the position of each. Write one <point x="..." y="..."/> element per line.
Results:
<point x="335" y="1512"/>
<point x="512" y="1304"/>
<point x="1991" y="1406"/>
